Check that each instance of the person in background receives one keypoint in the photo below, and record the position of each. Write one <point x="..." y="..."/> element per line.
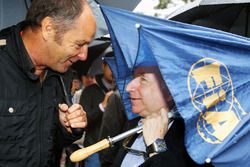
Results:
<point x="76" y="84"/>
<point x="113" y="121"/>
<point x="94" y="100"/>
<point x="34" y="59"/>
<point x="86" y="80"/>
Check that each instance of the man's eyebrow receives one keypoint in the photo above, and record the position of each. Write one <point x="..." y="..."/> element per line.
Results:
<point x="139" y="75"/>
<point x="138" y="72"/>
<point x="81" y="41"/>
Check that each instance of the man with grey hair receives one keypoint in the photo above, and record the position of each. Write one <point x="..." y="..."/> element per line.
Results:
<point x="34" y="59"/>
<point x="161" y="142"/>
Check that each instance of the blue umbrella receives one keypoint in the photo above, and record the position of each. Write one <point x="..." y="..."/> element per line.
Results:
<point x="123" y="31"/>
<point x="101" y="25"/>
<point x="217" y="123"/>
<point x="185" y="54"/>
<point x="121" y="82"/>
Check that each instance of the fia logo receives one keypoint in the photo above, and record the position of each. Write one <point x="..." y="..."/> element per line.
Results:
<point x="212" y="94"/>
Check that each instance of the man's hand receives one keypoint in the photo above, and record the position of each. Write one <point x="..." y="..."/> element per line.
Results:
<point x="155" y="126"/>
<point x="72" y="117"/>
<point x="106" y="98"/>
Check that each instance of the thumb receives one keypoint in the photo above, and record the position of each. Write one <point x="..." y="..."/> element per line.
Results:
<point x="63" y="107"/>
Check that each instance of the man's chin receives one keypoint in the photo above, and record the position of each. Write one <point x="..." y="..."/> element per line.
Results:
<point x="61" y="69"/>
<point x="64" y="70"/>
<point x="136" y="110"/>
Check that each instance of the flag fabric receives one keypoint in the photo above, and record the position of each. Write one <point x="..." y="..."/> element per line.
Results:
<point x="121" y="82"/>
<point x="207" y="72"/>
<point x="123" y="32"/>
<point x="208" y="75"/>
<point x="124" y="37"/>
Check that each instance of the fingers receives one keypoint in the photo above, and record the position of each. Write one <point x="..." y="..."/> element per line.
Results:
<point x="77" y="119"/>
<point x="74" y="116"/>
<point x="155" y="126"/>
<point x="164" y="115"/>
<point x="63" y="107"/>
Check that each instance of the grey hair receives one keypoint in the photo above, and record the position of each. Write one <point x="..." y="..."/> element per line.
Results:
<point x="62" y="12"/>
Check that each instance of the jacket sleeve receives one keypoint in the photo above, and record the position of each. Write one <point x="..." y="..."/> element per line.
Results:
<point x="67" y="137"/>
<point x="90" y="99"/>
<point x="169" y="159"/>
<point x="163" y="159"/>
<point x="113" y="121"/>
<point x="176" y="155"/>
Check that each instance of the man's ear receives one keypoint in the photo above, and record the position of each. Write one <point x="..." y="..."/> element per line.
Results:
<point x="47" y="28"/>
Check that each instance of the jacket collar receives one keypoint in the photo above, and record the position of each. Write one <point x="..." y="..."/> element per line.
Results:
<point x="18" y="52"/>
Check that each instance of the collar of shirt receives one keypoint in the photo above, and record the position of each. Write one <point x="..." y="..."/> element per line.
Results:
<point x="135" y="160"/>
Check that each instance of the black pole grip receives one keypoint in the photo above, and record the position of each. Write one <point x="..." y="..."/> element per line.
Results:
<point x="75" y="131"/>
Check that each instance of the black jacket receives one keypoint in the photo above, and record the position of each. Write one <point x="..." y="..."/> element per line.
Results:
<point x="90" y="99"/>
<point x="30" y="130"/>
<point x="113" y="121"/>
<point x="175" y="156"/>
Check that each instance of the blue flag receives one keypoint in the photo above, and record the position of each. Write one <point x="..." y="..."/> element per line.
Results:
<point x="122" y="28"/>
<point x="124" y="36"/>
<point x="208" y="75"/>
<point x="207" y="72"/>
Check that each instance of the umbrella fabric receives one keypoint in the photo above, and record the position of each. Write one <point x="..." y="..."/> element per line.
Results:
<point x="120" y="84"/>
<point x="95" y="69"/>
<point x="11" y="12"/>
<point x="227" y="15"/>
<point x="208" y="76"/>
<point x="124" y="38"/>
<point x="96" y="66"/>
<point x="227" y="52"/>
<point x="95" y="49"/>
<point x="123" y="31"/>
<point x="101" y="25"/>
<point x="128" y="4"/>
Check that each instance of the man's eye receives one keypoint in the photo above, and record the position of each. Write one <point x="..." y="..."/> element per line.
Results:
<point x="143" y="80"/>
<point x="79" y="45"/>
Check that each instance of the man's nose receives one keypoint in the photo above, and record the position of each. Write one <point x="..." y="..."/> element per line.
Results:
<point x="83" y="54"/>
<point x="132" y="85"/>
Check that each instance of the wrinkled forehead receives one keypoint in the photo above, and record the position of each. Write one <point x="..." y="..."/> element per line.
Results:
<point x="152" y="70"/>
<point x="146" y="69"/>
